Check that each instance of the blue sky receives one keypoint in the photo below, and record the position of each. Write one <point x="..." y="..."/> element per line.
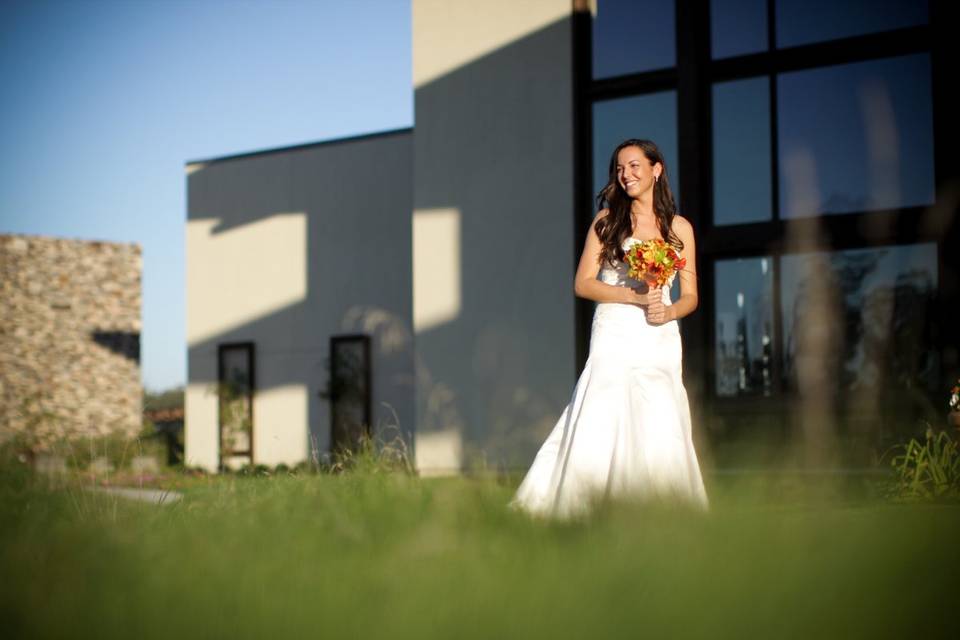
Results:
<point x="104" y="102"/>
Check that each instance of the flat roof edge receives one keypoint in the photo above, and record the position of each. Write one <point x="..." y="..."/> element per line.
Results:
<point x="298" y="147"/>
<point x="74" y="239"/>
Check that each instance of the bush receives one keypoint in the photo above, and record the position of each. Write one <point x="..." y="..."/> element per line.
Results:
<point x="927" y="470"/>
<point x="375" y="455"/>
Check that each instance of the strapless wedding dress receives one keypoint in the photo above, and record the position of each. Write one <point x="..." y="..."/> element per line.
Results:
<point x="626" y="431"/>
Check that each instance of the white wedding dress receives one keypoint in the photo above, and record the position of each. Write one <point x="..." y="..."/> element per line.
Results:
<point x="626" y="431"/>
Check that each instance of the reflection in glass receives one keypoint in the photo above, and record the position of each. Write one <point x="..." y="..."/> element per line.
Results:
<point x="630" y="36"/>
<point x="652" y="116"/>
<point x="807" y="21"/>
<point x="856" y="137"/>
<point x="744" y="326"/>
<point x="235" y="399"/>
<point x="349" y="391"/>
<point x="742" y="180"/>
<point x="880" y="301"/>
<point x="738" y="27"/>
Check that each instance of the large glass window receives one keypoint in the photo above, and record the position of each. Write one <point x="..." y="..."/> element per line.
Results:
<point x="738" y="27"/>
<point x="742" y="175"/>
<point x="744" y="326"/>
<point x="861" y="316"/>
<point x="856" y="137"/>
<point x="630" y="36"/>
<point x="651" y="116"/>
<point x="808" y="21"/>
<point x="791" y="141"/>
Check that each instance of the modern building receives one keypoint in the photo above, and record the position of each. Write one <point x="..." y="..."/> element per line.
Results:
<point x="424" y="277"/>
<point x="284" y="250"/>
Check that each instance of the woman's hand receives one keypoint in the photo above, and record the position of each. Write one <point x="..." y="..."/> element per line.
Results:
<point x="633" y="295"/>
<point x="657" y="312"/>
<point x="644" y="296"/>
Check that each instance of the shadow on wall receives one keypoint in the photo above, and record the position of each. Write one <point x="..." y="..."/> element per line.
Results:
<point x="299" y="278"/>
<point x="492" y="350"/>
<point x="495" y="361"/>
<point x="124" y="343"/>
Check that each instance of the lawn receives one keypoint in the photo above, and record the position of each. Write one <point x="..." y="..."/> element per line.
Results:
<point x="377" y="555"/>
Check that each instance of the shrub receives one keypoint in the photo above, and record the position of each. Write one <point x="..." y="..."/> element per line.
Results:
<point x="928" y="469"/>
<point x="375" y="454"/>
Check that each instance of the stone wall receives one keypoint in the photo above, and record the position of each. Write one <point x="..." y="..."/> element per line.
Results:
<point x="69" y="339"/>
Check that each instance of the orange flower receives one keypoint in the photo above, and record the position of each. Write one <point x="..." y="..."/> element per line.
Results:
<point x="653" y="261"/>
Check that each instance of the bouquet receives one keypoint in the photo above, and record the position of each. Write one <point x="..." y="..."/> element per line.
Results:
<point x="653" y="261"/>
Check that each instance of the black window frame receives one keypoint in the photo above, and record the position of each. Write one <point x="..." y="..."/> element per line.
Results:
<point x="693" y="79"/>
<point x="222" y="348"/>
<point x="365" y="343"/>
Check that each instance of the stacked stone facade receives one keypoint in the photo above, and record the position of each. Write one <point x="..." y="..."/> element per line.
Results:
<point x="69" y="339"/>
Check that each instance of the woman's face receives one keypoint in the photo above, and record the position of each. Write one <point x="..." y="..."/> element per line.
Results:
<point x="634" y="172"/>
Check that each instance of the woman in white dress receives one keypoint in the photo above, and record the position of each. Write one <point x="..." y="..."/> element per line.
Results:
<point x="626" y="431"/>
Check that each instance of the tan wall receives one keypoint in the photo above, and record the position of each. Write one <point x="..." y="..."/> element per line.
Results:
<point x="69" y="339"/>
<point x="492" y="228"/>
<point x="285" y="249"/>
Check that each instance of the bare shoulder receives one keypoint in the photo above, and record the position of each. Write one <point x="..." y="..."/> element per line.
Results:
<point x="681" y="225"/>
<point x="601" y="214"/>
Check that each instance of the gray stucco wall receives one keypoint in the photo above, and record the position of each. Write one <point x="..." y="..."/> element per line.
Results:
<point x="493" y="148"/>
<point x="328" y="224"/>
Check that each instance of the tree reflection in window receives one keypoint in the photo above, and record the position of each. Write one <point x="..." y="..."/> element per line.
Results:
<point x="235" y="396"/>
<point x="349" y="391"/>
<point x="744" y="326"/>
<point x="879" y="304"/>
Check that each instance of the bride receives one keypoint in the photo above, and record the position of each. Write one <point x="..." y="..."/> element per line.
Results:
<point x="626" y="431"/>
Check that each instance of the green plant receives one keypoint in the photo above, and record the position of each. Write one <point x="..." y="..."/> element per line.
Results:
<point x="79" y="452"/>
<point x="390" y="556"/>
<point x="930" y="469"/>
<point x="375" y="454"/>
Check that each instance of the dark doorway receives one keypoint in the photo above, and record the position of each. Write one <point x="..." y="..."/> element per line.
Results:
<point x="349" y="391"/>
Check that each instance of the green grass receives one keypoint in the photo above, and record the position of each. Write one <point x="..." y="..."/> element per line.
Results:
<point x="375" y="555"/>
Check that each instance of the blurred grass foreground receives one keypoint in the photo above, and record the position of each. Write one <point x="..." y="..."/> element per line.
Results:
<point x="366" y="553"/>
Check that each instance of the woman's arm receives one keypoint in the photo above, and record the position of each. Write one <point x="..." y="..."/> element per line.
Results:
<point x="586" y="285"/>
<point x="658" y="313"/>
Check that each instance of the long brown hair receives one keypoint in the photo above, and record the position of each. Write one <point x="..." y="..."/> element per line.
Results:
<point x="614" y="228"/>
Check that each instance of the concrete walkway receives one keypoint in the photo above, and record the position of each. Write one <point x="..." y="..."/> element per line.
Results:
<point x="153" y="496"/>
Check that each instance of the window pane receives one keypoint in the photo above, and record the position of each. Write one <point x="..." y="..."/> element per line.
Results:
<point x="744" y="326"/>
<point x="630" y="36"/>
<point x="652" y="116"/>
<point x="738" y="27"/>
<point x="349" y="391"/>
<point x="236" y="405"/>
<point x="856" y="137"/>
<point x="807" y="21"/>
<point x="861" y="317"/>
<point x="742" y="176"/>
